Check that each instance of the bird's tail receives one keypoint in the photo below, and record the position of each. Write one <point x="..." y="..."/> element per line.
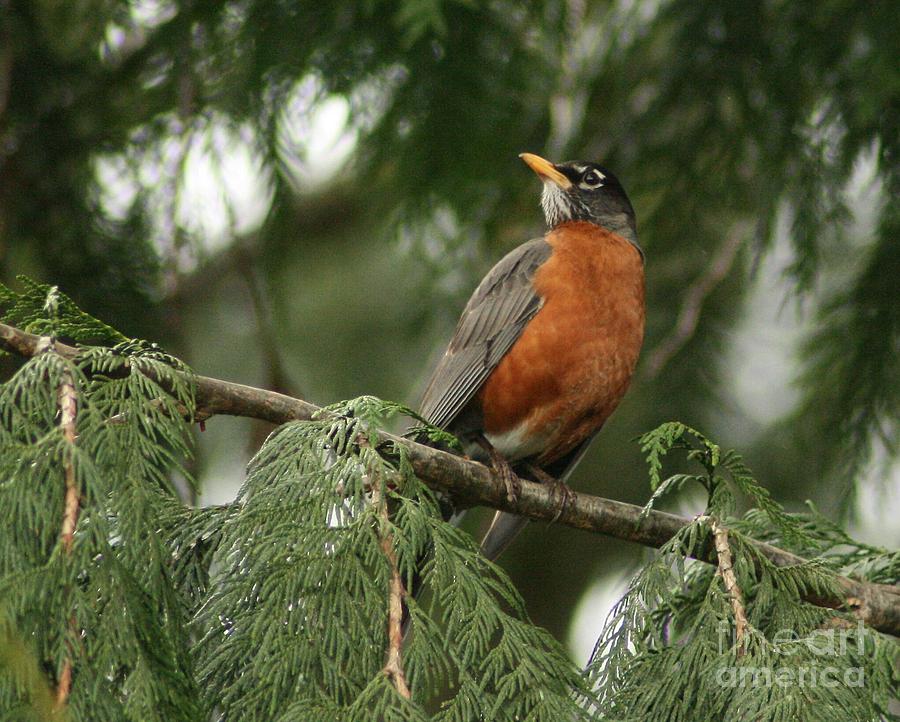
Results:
<point x="505" y="526"/>
<point x="502" y="531"/>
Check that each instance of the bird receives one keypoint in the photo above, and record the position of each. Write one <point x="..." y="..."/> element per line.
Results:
<point x="547" y="345"/>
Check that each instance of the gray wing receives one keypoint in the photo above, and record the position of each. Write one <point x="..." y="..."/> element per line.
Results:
<point x="490" y="324"/>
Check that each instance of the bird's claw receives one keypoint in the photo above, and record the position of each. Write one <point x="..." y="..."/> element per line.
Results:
<point x="510" y="481"/>
<point x="561" y="489"/>
<point x="557" y="487"/>
<point x="502" y="468"/>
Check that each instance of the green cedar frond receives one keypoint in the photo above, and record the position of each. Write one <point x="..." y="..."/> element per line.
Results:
<point x="658" y="443"/>
<point x="275" y="607"/>
<point x="667" y="650"/>
<point x="47" y="311"/>
<point x="670" y="486"/>
<point x="116" y="582"/>
<point x="670" y="435"/>
<point x="301" y="579"/>
<point x="375" y="411"/>
<point x="741" y="476"/>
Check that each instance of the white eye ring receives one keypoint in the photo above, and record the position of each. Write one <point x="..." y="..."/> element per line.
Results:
<point x="592" y="179"/>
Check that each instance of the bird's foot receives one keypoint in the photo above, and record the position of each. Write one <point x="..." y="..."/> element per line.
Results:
<point x="502" y="468"/>
<point x="557" y="487"/>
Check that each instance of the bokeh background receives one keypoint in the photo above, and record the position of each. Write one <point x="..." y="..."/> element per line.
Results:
<point x="302" y="194"/>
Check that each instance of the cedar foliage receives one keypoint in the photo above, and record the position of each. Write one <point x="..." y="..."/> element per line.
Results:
<point x="274" y="607"/>
<point x="670" y="650"/>
<point x="770" y="125"/>
<point x="109" y="603"/>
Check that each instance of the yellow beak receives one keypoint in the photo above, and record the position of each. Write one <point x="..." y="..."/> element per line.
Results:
<point x="546" y="170"/>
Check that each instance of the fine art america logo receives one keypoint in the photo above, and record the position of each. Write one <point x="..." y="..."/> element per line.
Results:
<point x="813" y="661"/>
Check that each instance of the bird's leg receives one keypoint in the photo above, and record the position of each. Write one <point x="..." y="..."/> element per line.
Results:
<point x="557" y="486"/>
<point x="501" y="468"/>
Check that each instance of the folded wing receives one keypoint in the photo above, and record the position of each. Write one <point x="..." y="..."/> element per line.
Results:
<point x="493" y="319"/>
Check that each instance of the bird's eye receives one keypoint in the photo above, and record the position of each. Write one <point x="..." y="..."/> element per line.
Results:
<point x="592" y="179"/>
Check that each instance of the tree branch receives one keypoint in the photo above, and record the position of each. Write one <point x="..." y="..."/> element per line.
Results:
<point x="729" y="579"/>
<point x="471" y="483"/>
<point x="68" y="409"/>
<point x="68" y="404"/>
<point x="393" y="666"/>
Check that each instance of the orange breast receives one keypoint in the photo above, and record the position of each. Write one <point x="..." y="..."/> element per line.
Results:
<point x="572" y="364"/>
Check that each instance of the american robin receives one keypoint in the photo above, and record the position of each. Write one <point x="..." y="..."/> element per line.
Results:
<point x="547" y="344"/>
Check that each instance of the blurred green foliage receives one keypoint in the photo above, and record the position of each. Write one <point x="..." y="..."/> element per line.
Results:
<point x="753" y="123"/>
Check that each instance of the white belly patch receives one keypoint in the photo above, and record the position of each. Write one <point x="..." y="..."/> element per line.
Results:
<point x="515" y="443"/>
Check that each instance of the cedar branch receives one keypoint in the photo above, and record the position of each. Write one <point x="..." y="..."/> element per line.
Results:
<point x="68" y="404"/>
<point x="471" y="483"/>
<point x="726" y="571"/>
<point x="68" y="409"/>
<point x="393" y="666"/>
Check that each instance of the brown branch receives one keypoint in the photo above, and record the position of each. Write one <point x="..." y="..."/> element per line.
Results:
<point x="471" y="483"/>
<point x="393" y="666"/>
<point x="65" y="682"/>
<point x="726" y="571"/>
<point x="692" y="306"/>
<point x="68" y="409"/>
<point x="68" y="406"/>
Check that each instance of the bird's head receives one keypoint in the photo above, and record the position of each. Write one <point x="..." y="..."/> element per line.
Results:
<point x="583" y="191"/>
